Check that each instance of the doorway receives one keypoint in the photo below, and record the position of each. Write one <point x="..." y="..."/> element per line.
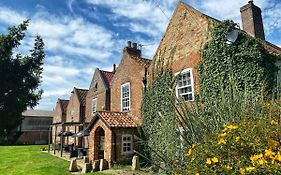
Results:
<point x="99" y="143"/>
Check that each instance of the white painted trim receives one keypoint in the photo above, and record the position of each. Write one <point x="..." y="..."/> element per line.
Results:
<point x="95" y="99"/>
<point x="121" y="98"/>
<point x="192" y="82"/>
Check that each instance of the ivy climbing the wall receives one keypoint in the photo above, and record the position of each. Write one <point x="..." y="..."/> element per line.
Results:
<point x="245" y="62"/>
<point x="160" y="127"/>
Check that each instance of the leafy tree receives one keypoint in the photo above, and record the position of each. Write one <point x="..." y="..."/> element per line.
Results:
<point x="20" y="77"/>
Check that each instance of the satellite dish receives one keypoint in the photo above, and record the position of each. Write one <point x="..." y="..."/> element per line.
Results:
<point x="231" y="37"/>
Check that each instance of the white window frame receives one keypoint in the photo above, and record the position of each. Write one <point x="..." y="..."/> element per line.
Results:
<point x="72" y="115"/>
<point x="126" y="142"/>
<point x="125" y="109"/>
<point x="191" y="84"/>
<point x="96" y="104"/>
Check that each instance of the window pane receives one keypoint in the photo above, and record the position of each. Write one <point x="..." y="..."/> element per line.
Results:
<point x="184" y="86"/>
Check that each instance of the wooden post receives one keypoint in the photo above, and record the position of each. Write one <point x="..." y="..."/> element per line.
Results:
<point x="75" y="133"/>
<point x="50" y="137"/>
<point x="55" y="145"/>
<point x="61" y="145"/>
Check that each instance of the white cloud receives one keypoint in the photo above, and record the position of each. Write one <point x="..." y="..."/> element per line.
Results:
<point x="11" y="17"/>
<point x="57" y="92"/>
<point x="272" y="18"/>
<point x="152" y="14"/>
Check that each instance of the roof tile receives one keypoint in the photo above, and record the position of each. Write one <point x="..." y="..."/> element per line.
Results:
<point x="118" y="119"/>
<point x="107" y="76"/>
<point x="82" y="94"/>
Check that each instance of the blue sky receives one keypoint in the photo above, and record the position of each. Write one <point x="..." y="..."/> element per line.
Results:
<point x="81" y="35"/>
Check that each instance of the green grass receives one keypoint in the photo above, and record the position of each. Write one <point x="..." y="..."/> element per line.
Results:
<point x="22" y="160"/>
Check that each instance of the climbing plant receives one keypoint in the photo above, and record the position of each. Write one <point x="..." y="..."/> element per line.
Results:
<point x="234" y="79"/>
<point x="160" y="127"/>
<point x="245" y="62"/>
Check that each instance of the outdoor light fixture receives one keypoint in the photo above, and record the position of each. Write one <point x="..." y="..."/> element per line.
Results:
<point x="231" y="37"/>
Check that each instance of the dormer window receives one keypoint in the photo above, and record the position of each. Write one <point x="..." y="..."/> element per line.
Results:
<point x="94" y="105"/>
<point x="125" y="97"/>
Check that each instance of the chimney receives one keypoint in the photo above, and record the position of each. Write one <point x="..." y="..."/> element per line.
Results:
<point x="114" y="68"/>
<point x="252" y="20"/>
<point x="129" y="44"/>
<point x="135" y="46"/>
<point x="132" y="49"/>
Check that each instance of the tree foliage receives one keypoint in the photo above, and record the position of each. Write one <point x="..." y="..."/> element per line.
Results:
<point x="19" y="76"/>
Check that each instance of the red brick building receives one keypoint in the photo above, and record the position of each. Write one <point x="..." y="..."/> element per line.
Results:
<point x="187" y="32"/>
<point x="112" y="132"/>
<point x="112" y="104"/>
<point x="59" y="117"/>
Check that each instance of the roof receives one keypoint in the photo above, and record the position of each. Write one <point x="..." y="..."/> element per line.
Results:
<point x="37" y="113"/>
<point x="107" y="76"/>
<point x="63" y="104"/>
<point x="82" y="94"/>
<point x="114" y="119"/>
<point x="143" y="61"/>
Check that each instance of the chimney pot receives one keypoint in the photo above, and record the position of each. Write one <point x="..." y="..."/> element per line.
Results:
<point x="129" y="44"/>
<point x="114" y="67"/>
<point x="250" y="2"/>
<point x="135" y="46"/>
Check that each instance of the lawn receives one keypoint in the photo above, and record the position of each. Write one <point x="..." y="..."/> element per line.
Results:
<point x="22" y="160"/>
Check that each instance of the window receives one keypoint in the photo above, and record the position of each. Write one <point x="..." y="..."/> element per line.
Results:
<point x="94" y="105"/>
<point x="184" y="87"/>
<point x="72" y="115"/>
<point x="125" y="97"/>
<point x="127" y="144"/>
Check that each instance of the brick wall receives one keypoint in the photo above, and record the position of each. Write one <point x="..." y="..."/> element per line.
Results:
<point x="100" y="93"/>
<point x="74" y="105"/>
<point x="57" y="115"/>
<point x="129" y="70"/>
<point x="94" y="142"/>
<point x="186" y="33"/>
<point x="112" y="142"/>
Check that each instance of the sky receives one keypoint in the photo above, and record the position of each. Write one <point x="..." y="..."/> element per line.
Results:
<point x="81" y="35"/>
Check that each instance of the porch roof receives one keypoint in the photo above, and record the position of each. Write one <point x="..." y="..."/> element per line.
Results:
<point x="114" y="119"/>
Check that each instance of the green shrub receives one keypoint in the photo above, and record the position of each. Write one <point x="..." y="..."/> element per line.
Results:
<point x="251" y="146"/>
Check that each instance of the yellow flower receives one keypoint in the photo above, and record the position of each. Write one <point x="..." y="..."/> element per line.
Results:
<point x="215" y="160"/>
<point x="237" y="138"/>
<point x="223" y="134"/>
<point x="272" y="143"/>
<point x="261" y="161"/>
<point x="268" y="153"/>
<point x="231" y="127"/>
<point x="222" y="141"/>
<point x="242" y="171"/>
<point x="208" y="161"/>
<point x="228" y="167"/>
<point x="193" y="145"/>
<point x="193" y="158"/>
<point x="273" y="122"/>
<point x="189" y="152"/>
<point x="256" y="157"/>
<point x="250" y="169"/>
<point x="196" y="173"/>
<point x="278" y="157"/>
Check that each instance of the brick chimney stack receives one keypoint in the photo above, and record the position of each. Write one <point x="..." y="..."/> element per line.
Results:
<point x="132" y="49"/>
<point x="252" y="20"/>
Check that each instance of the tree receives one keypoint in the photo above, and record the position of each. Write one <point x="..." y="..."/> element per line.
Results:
<point x="20" y="77"/>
